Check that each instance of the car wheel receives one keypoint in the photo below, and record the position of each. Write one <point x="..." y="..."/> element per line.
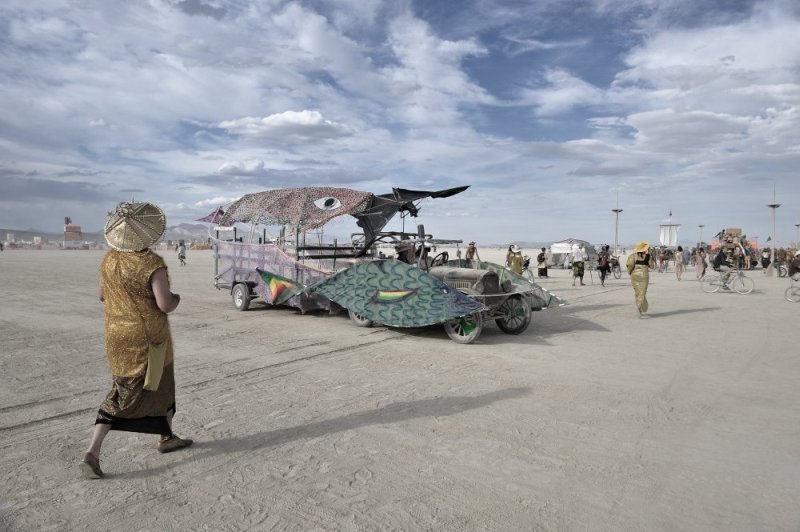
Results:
<point x="516" y="315"/>
<point x="465" y="329"/>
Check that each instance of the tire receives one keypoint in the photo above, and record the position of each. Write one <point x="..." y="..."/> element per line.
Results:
<point x="359" y="320"/>
<point x="466" y="329"/>
<point x="517" y="313"/>
<point x="782" y="271"/>
<point x="711" y="283"/>
<point x="617" y="271"/>
<point x="241" y="296"/>
<point x="793" y="294"/>
<point x="742" y="285"/>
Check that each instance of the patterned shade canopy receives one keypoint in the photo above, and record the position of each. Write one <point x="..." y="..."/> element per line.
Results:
<point x="301" y="208"/>
<point x="213" y="217"/>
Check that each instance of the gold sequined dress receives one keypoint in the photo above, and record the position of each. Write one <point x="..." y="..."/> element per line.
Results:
<point x="132" y="322"/>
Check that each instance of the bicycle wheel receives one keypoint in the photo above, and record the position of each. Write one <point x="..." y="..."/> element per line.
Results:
<point x="617" y="271"/>
<point x="793" y="294"/>
<point x="711" y="283"/>
<point x="742" y="284"/>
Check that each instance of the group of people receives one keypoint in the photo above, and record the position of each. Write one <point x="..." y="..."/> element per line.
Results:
<point x="518" y="263"/>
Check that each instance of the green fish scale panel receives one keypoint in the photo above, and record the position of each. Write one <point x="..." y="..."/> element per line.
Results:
<point x="432" y="301"/>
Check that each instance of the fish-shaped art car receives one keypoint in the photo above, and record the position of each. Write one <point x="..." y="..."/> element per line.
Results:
<point x="412" y="289"/>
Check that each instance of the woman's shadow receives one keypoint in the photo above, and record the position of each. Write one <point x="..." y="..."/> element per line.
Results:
<point x="392" y="413"/>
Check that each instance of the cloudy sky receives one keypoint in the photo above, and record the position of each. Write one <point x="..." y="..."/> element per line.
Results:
<point x="547" y="108"/>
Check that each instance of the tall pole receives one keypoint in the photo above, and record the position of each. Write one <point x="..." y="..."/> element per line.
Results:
<point x="616" y="226"/>
<point x="797" y="242"/>
<point x="700" y="242"/>
<point x="774" y="206"/>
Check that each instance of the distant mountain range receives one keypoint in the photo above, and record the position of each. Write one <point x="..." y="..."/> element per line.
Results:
<point x="176" y="232"/>
<point x="198" y="232"/>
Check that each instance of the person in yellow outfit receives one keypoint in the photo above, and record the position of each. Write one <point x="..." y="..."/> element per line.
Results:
<point x="639" y="264"/>
<point x="135" y="291"/>
<point x="515" y="259"/>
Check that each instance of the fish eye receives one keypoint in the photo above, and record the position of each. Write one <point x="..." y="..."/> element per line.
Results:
<point x="328" y="203"/>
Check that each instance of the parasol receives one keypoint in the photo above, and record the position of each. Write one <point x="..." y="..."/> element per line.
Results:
<point x="213" y="217"/>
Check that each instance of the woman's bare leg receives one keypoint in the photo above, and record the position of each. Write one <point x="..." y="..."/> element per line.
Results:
<point x="98" y="435"/>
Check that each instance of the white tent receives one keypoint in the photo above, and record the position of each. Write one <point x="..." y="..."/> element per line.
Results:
<point x="564" y="247"/>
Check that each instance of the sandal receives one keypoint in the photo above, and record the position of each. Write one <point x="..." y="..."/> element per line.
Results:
<point x="173" y="443"/>
<point x="90" y="467"/>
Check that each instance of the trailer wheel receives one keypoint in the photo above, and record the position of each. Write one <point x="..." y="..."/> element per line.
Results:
<point x="241" y="296"/>
<point x="359" y="320"/>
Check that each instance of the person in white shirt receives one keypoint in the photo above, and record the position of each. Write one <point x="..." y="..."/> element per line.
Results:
<point x="579" y="256"/>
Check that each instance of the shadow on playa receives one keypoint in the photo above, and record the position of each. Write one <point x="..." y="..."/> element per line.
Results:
<point x="393" y="413"/>
<point x="682" y="311"/>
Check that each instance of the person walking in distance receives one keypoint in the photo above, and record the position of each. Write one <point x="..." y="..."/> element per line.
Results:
<point x="579" y="257"/>
<point x="541" y="263"/>
<point x="603" y="264"/>
<point x="135" y="291"/>
<point x="182" y="253"/>
<point x="640" y="264"/>
<point x="679" y="264"/>
<point x="700" y="262"/>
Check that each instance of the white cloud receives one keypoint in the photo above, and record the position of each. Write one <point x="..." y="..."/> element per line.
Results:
<point x="563" y="93"/>
<point x="252" y="168"/>
<point x="679" y="132"/>
<point x="428" y="77"/>
<point x="215" y="201"/>
<point x="289" y="126"/>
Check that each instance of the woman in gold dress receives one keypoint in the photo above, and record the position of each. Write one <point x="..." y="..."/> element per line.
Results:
<point x="639" y="265"/>
<point x="134" y="288"/>
<point x="515" y="259"/>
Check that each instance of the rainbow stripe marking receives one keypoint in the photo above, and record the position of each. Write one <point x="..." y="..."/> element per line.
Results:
<point x="392" y="296"/>
<point x="280" y="288"/>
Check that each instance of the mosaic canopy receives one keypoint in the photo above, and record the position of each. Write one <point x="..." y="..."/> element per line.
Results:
<point x="298" y="208"/>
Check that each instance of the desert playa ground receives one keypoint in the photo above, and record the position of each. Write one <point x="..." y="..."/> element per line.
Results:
<point x="593" y="419"/>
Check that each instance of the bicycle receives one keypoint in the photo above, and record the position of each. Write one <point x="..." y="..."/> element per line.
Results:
<point x="526" y="269"/>
<point x="793" y="292"/>
<point x="736" y="280"/>
<point x="616" y="271"/>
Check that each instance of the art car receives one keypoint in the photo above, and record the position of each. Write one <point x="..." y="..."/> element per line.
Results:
<point x="298" y="267"/>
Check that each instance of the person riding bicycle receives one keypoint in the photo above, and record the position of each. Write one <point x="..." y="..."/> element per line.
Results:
<point x="794" y="266"/>
<point x="723" y="266"/>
